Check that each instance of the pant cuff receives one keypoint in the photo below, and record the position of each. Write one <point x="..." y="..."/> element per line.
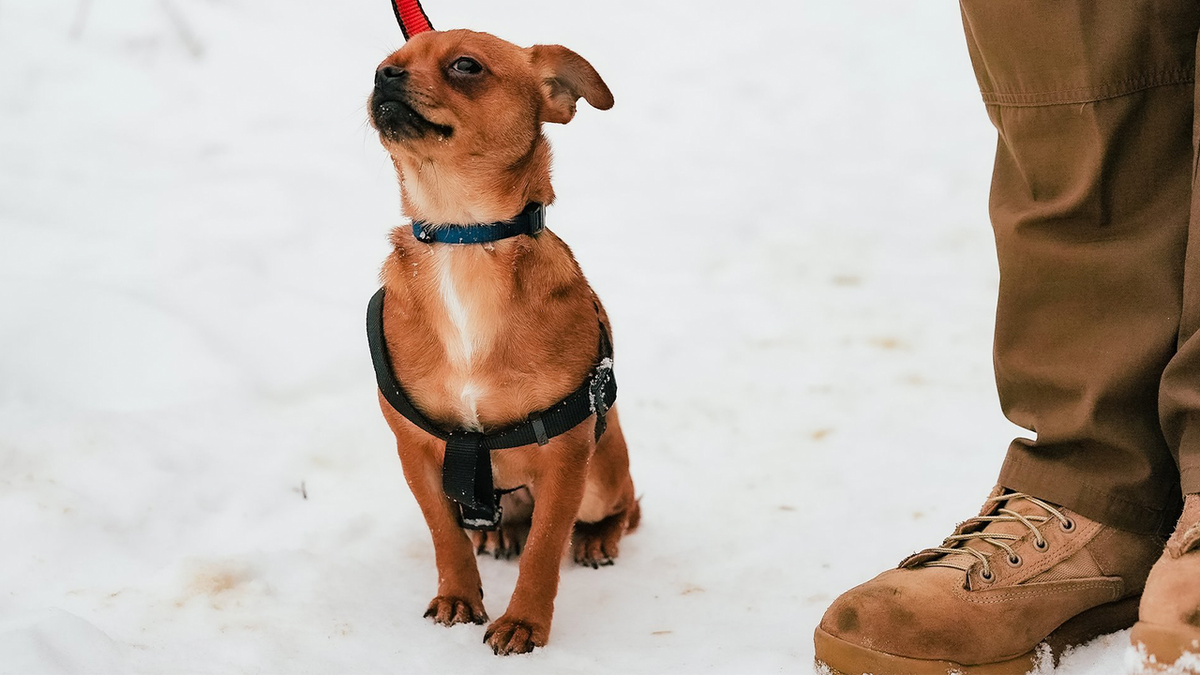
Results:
<point x="1045" y="481"/>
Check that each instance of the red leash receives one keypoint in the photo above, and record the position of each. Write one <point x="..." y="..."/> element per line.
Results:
<point x="411" y="17"/>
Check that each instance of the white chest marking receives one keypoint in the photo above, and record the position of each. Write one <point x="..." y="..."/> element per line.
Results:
<point x="460" y="346"/>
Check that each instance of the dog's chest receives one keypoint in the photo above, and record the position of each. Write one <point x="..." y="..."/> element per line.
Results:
<point x="467" y="306"/>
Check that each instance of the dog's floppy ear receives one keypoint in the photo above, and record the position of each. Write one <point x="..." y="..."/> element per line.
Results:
<point x="566" y="77"/>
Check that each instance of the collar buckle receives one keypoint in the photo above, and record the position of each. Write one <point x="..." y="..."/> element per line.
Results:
<point x="537" y="220"/>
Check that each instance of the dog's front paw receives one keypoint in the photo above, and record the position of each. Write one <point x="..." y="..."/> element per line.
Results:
<point x="514" y="636"/>
<point x="448" y="610"/>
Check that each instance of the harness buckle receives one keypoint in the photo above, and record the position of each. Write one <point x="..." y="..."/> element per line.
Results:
<point x="487" y="518"/>
<point x="596" y="391"/>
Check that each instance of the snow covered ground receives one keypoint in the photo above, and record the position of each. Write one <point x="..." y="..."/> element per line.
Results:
<point x="785" y="214"/>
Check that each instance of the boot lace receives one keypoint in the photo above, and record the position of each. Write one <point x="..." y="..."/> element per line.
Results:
<point x="957" y="544"/>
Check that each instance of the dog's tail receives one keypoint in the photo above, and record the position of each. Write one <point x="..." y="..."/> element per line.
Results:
<point x="635" y="515"/>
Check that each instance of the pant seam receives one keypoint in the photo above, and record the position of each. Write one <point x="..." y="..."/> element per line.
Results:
<point x="1089" y="94"/>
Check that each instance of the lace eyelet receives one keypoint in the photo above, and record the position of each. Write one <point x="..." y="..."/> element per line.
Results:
<point x="987" y="576"/>
<point x="1067" y="526"/>
<point x="1042" y="545"/>
<point x="1014" y="561"/>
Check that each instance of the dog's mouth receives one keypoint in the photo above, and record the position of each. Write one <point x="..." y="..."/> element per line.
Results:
<point x="397" y="120"/>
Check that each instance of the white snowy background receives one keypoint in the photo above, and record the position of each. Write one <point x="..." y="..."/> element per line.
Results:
<point x="785" y="214"/>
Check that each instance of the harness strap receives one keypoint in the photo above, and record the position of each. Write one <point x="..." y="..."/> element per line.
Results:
<point x="467" y="467"/>
<point x="388" y="385"/>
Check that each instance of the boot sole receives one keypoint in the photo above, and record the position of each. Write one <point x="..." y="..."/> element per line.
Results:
<point x="1166" y="645"/>
<point x="839" y="657"/>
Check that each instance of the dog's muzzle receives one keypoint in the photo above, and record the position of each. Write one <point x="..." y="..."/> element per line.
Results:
<point x="391" y="110"/>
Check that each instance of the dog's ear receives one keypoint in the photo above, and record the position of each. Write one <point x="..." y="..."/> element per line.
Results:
<point x="566" y="77"/>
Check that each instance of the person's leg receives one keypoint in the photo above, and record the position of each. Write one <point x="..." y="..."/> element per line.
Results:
<point x="1090" y="199"/>
<point x="1169" y="621"/>
<point x="1092" y="101"/>
<point x="1180" y="391"/>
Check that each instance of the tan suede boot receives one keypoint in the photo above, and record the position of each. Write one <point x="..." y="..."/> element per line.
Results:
<point x="1168" y="632"/>
<point x="1022" y="573"/>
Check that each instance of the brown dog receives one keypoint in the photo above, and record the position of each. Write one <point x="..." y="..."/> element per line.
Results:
<point x="481" y="336"/>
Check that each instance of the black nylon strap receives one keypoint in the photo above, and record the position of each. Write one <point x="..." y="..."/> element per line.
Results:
<point x="467" y="469"/>
<point x="384" y="376"/>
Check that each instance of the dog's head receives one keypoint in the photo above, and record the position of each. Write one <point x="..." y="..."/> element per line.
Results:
<point x="460" y="94"/>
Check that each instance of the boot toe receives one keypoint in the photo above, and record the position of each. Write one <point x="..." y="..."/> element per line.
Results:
<point x="889" y="615"/>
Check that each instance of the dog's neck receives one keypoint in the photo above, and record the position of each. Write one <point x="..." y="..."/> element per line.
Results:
<point x="480" y="190"/>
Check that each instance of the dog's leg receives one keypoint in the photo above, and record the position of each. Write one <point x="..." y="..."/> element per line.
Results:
<point x="460" y="591"/>
<point x="609" y="507"/>
<point x="557" y="490"/>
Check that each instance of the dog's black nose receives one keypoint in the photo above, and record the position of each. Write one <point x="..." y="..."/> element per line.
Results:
<point x="389" y="76"/>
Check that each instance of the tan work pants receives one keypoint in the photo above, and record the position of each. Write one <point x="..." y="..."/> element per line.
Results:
<point x="1098" y="237"/>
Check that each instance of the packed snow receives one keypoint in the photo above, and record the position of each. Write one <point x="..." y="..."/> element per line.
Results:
<point x="785" y="214"/>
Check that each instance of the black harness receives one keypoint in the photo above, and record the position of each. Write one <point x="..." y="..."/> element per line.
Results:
<point x="467" y="469"/>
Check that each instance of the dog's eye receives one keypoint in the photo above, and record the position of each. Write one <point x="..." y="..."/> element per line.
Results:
<point x="466" y="65"/>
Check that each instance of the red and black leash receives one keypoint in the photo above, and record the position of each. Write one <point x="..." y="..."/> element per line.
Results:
<point x="411" y="17"/>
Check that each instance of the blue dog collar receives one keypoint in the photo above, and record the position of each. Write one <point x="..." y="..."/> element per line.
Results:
<point x="530" y="221"/>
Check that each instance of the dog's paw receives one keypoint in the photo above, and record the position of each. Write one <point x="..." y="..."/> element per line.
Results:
<point x="596" y="544"/>
<point x="513" y="636"/>
<point x="448" y="610"/>
<point x="506" y="542"/>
